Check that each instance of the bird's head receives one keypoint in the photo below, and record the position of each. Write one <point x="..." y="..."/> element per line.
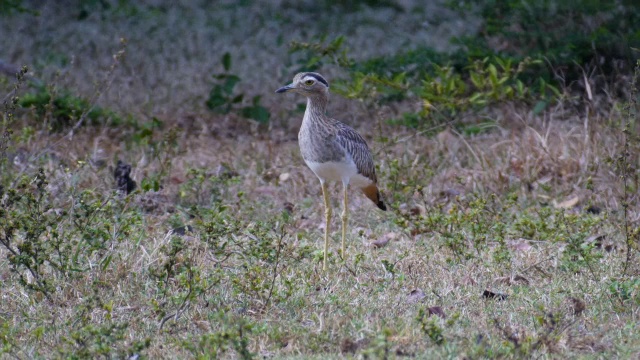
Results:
<point x="307" y="84"/>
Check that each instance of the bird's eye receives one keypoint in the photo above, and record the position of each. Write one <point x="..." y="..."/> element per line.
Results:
<point x="309" y="82"/>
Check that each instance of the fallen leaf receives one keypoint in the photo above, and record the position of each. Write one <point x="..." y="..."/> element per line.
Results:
<point x="182" y="230"/>
<point x="384" y="240"/>
<point x="380" y="243"/>
<point x="404" y="353"/>
<point x="415" y="296"/>
<point x="284" y="177"/>
<point x="54" y="211"/>
<point x="418" y="210"/>
<point x="521" y="245"/>
<point x="403" y="208"/>
<point x="203" y="325"/>
<point x="593" y="210"/>
<point x="567" y="204"/>
<point x="447" y="140"/>
<point x="416" y="231"/>
<point x="437" y="310"/>
<point x="176" y="180"/>
<point x="511" y="280"/>
<point x="596" y="240"/>
<point x="361" y="231"/>
<point x="542" y="271"/>
<point x="284" y="344"/>
<point x="522" y="279"/>
<point x="349" y="346"/>
<point x="493" y="295"/>
<point x="544" y="180"/>
<point x="268" y="175"/>
<point x="468" y="280"/>
<point x="577" y="305"/>
<point x="288" y="207"/>
<point x="450" y="193"/>
<point x="224" y="172"/>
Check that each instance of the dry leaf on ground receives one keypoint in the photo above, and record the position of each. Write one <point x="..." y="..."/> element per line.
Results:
<point x="567" y="204"/>
<point x="520" y="245"/>
<point x="384" y="240"/>
<point x="437" y="310"/>
<point x="284" y="177"/>
<point x="415" y="296"/>
<point x="577" y="305"/>
<point x="493" y="295"/>
<point x="418" y="210"/>
<point x="511" y="280"/>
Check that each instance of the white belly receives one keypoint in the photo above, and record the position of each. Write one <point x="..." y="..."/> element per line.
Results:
<point x="347" y="172"/>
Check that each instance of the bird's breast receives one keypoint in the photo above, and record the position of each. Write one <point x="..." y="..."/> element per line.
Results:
<point x="320" y="147"/>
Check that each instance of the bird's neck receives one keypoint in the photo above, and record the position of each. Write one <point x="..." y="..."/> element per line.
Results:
<point x="316" y="108"/>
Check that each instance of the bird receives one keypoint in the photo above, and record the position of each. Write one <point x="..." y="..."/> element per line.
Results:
<point x="332" y="150"/>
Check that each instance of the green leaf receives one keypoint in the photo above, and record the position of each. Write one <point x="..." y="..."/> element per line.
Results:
<point x="256" y="112"/>
<point x="388" y="266"/>
<point x="226" y="61"/>
<point x="540" y="106"/>
<point x="150" y="184"/>
<point x="229" y="84"/>
<point x="216" y="98"/>
<point x="106" y="262"/>
<point x="237" y="98"/>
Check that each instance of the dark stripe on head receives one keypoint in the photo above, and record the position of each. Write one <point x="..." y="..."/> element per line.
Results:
<point x="318" y="77"/>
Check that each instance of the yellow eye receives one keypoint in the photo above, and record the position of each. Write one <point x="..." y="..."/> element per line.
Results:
<point x="309" y="82"/>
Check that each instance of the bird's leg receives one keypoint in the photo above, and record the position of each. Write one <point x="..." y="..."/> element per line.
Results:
<point x="344" y="218"/>
<point x="327" y="217"/>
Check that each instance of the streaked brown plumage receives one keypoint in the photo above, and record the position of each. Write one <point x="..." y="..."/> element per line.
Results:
<point x="333" y="150"/>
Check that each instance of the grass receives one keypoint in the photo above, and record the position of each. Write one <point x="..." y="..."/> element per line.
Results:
<point x="515" y="241"/>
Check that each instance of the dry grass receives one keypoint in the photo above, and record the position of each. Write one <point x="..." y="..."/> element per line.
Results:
<point x="188" y="296"/>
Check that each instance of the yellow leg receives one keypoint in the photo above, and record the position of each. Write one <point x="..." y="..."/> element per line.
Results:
<point x="327" y="218"/>
<point x="344" y="218"/>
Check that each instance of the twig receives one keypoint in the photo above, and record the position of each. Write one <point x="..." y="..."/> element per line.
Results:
<point x="409" y="137"/>
<point x="275" y="270"/>
<point x="185" y="303"/>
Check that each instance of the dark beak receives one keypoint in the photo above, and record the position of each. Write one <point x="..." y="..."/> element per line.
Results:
<point x="284" y="89"/>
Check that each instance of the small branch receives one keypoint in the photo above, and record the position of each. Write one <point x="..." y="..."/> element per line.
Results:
<point x="180" y="311"/>
<point x="275" y="271"/>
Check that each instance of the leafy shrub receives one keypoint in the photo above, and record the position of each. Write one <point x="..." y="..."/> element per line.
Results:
<point x="625" y="290"/>
<point x="61" y="109"/>
<point x="51" y="243"/>
<point x="468" y="225"/>
<point x="230" y="337"/>
<point x="25" y="221"/>
<point x="222" y="98"/>
<point x="447" y="86"/>
<point x="570" y="35"/>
